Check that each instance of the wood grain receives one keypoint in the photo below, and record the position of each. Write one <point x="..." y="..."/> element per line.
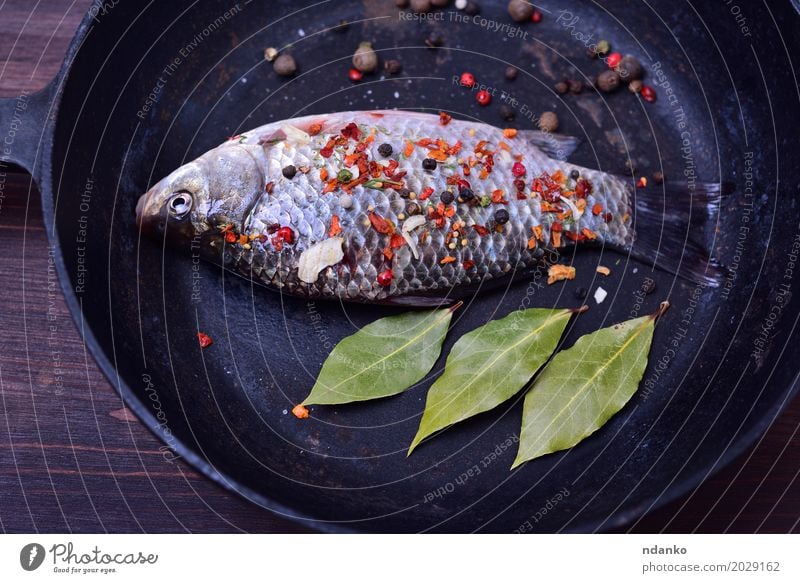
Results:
<point x="73" y="458"/>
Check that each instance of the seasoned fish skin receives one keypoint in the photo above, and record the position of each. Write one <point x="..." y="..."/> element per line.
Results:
<point x="481" y="250"/>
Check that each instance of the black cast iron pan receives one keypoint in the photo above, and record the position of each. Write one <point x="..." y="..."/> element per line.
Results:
<point x="148" y="86"/>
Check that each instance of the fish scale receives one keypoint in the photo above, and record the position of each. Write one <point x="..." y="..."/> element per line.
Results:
<point x="300" y="204"/>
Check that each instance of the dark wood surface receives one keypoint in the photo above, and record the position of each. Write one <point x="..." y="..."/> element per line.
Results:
<point x="73" y="458"/>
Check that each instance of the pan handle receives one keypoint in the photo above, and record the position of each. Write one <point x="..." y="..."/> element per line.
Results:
<point x="23" y="120"/>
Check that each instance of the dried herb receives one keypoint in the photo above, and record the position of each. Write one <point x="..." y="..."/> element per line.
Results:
<point x="584" y="386"/>
<point x="384" y="358"/>
<point x="490" y="365"/>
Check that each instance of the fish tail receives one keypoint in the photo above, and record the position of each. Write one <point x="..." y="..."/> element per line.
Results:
<point x="675" y="225"/>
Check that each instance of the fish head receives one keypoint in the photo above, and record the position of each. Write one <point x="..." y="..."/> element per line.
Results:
<point x="205" y="196"/>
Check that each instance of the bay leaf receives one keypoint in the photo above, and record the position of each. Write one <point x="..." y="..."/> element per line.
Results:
<point x="584" y="386"/>
<point x="384" y="358"/>
<point x="489" y="365"/>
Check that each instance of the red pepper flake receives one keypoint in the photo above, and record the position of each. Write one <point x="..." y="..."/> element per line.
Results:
<point x="589" y="234"/>
<point x="396" y="241"/>
<point x="336" y="228"/>
<point x="572" y="236"/>
<point x="426" y="193"/>
<point x="355" y="75"/>
<point x="409" y="149"/>
<point x="481" y="230"/>
<point x="467" y="80"/>
<point x="445" y="118"/>
<point x="388" y="253"/>
<point x="483" y="97"/>
<point x="230" y="237"/>
<point x="243" y="240"/>
<point x="204" y="339"/>
<point x="351" y="131"/>
<point x="380" y="224"/>
<point x="330" y="186"/>
<point x="536" y="17"/>
<point x="448" y="259"/>
<point x="642" y="182"/>
<point x="518" y="169"/>
<point x="300" y="412"/>
<point x="497" y="197"/>
<point x="521" y="195"/>
<point x="270" y="186"/>
<point x="556" y="227"/>
<point x="597" y="209"/>
<point x="327" y="150"/>
<point x="468" y="264"/>
<point x="390" y="168"/>
<point x="314" y="129"/>
<point x="608" y="217"/>
<point x="323" y="174"/>
<point x="583" y="188"/>
<point x="385" y="278"/>
<point x="510" y="133"/>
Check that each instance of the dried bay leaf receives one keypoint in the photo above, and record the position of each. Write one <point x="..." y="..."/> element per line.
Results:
<point x="584" y="386"/>
<point x="490" y="365"/>
<point x="384" y="358"/>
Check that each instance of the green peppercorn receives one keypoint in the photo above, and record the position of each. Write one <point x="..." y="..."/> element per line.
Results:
<point x="486" y="200"/>
<point x="344" y="175"/>
<point x="501" y="216"/>
<point x="289" y="171"/>
<point x="385" y="150"/>
<point x="429" y="164"/>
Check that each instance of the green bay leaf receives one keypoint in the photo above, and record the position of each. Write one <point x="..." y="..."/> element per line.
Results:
<point x="490" y="365"/>
<point x="584" y="386"/>
<point x="384" y="358"/>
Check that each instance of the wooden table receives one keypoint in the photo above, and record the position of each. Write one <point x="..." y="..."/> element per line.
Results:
<point x="73" y="458"/>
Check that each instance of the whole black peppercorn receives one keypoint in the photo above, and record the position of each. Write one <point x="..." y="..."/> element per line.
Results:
<point x="405" y="193"/>
<point x="511" y="73"/>
<point x="472" y="8"/>
<point x="575" y="86"/>
<point x="446" y="197"/>
<point x="385" y="150"/>
<point x="501" y="216"/>
<point x="429" y="164"/>
<point x="289" y="171"/>
<point x="574" y="174"/>
<point x="392" y="66"/>
<point x="413" y="208"/>
<point x="507" y="112"/>
<point x="465" y="195"/>
<point x="561" y="87"/>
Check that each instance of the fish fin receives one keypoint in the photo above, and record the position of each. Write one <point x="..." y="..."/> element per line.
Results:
<point x="553" y="145"/>
<point x="418" y="301"/>
<point x="674" y="228"/>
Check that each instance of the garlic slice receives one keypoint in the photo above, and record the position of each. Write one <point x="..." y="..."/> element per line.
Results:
<point x="318" y="257"/>
<point x="409" y="225"/>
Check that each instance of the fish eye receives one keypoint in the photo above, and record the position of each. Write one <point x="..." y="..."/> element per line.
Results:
<point x="180" y="203"/>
